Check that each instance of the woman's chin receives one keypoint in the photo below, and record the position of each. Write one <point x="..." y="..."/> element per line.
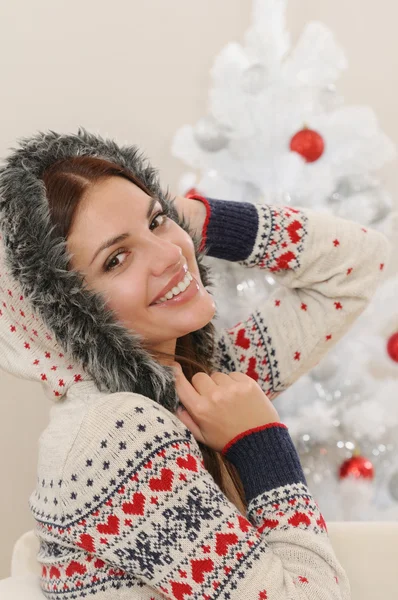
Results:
<point x="184" y="325"/>
<point x="196" y="314"/>
<point x="200" y="313"/>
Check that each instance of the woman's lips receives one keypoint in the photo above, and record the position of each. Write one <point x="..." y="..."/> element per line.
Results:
<point x="173" y="282"/>
<point x="182" y="297"/>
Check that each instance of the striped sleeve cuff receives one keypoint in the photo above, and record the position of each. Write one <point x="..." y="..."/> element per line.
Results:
<point x="230" y="228"/>
<point x="266" y="459"/>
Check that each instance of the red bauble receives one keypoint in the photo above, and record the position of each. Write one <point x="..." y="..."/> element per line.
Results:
<point x="392" y="347"/>
<point x="358" y="467"/>
<point x="308" y="143"/>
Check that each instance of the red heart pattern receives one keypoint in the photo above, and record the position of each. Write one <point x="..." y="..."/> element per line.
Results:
<point x="292" y="229"/>
<point x="244" y="524"/>
<point x="187" y="463"/>
<point x="54" y="572"/>
<point x="86" y="542"/>
<point x="164" y="483"/>
<point x="223" y="540"/>
<point x="322" y="523"/>
<point x="251" y="370"/>
<point x="282" y="262"/>
<point x="136" y="507"/>
<point x="75" y="567"/>
<point x="111" y="527"/>
<point x="270" y="523"/>
<point x="299" y="518"/>
<point x="242" y="340"/>
<point x="180" y="590"/>
<point x="199" y="567"/>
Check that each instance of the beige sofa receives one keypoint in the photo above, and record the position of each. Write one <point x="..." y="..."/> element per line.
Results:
<point x="368" y="552"/>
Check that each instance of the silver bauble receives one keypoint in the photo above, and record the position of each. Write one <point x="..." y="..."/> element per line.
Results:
<point x="209" y="135"/>
<point x="382" y="205"/>
<point x="361" y="198"/>
<point x="353" y="184"/>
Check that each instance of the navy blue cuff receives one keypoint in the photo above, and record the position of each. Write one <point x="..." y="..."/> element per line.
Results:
<point x="232" y="229"/>
<point x="266" y="459"/>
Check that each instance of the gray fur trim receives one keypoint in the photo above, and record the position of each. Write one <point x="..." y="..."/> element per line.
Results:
<point x="37" y="259"/>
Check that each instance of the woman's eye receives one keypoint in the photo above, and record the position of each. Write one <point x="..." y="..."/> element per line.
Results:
<point x="162" y="214"/>
<point x="110" y="265"/>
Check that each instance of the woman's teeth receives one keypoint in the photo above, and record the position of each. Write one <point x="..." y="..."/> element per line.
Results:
<point x="180" y="287"/>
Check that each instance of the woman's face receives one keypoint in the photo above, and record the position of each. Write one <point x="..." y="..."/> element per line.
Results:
<point x="130" y="273"/>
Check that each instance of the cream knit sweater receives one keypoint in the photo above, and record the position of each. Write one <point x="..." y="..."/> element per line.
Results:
<point x="123" y="504"/>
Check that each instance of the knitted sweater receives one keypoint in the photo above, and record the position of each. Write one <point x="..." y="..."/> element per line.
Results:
<point x="123" y="504"/>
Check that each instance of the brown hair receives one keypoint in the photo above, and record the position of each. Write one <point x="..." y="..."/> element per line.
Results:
<point x="66" y="182"/>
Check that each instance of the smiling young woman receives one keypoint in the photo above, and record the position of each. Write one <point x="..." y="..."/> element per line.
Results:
<point x="127" y="500"/>
<point x="91" y="201"/>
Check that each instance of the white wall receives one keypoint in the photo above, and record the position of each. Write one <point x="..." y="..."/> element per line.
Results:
<point x="137" y="71"/>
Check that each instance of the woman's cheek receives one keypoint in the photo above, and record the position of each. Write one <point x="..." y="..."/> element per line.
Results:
<point x="187" y="246"/>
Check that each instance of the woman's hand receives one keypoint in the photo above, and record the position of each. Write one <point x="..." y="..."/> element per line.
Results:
<point x="194" y="212"/>
<point x="220" y="407"/>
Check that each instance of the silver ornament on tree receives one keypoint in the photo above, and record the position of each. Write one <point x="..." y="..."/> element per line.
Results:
<point x="210" y="135"/>
<point x="253" y="79"/>
<point x="361" y="197"/>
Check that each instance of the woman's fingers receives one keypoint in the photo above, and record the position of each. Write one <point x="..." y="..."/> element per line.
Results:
<point x="222" y="379"/>
<point x="187" y="393"/>
<point x="188" y="421"/>
<point x="189" y="398"/>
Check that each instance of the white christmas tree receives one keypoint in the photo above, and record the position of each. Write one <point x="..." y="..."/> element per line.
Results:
<point x="277" y="131"/>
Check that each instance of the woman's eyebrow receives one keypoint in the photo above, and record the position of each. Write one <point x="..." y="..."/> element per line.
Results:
<point x="119" y="238"/>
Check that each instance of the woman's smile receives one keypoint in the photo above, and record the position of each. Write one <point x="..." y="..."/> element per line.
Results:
<point x="181" y="297"/>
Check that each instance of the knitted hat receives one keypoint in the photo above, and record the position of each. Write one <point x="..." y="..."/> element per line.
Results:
<point x="52" y="329"/>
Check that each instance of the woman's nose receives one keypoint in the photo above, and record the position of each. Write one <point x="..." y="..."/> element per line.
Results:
<point x="163" y="255"/>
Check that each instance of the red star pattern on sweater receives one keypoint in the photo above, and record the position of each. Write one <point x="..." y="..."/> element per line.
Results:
<point x="255" y="346"/>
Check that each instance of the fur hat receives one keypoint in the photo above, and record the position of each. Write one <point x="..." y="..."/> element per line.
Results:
<point x="52" y="329"/>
